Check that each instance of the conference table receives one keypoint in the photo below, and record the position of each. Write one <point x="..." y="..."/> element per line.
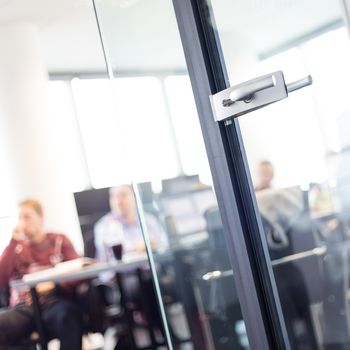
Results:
<point x="83" y="273"/>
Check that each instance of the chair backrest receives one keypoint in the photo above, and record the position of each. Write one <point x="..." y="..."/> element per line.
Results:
<point x="303" y="237"/>
<point x="91" y="205"/>
<point x="180" y="184"/>
<point x="4" y="297"/>
<point x="184" y="211"/>
<point x="89" y="244"/>
<point x="217" y="241"/>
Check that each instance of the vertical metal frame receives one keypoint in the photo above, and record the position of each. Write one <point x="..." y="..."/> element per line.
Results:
<point x="247" y="245"/>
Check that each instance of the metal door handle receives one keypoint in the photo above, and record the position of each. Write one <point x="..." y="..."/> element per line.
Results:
<point x="253" y="94"/>
<point x="246" y="92"/>
<point x="299" y="84"/>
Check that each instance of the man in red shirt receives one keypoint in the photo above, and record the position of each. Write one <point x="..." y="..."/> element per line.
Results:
<point x="32" y="249"/>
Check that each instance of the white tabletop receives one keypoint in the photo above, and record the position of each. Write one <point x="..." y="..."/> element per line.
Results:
<point x="87" y="272"/>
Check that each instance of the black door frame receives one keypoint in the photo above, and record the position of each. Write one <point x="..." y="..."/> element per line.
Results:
<point x="248" y="252"/>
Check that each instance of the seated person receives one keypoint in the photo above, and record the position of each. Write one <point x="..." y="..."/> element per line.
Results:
<point x="265" y="175"/>
<point x="280" y="209"/>
<point x="121" y="226"/>
<point x="32" y="249"/>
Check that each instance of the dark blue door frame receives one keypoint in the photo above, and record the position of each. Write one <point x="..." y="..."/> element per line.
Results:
<point x="247" y="245"/>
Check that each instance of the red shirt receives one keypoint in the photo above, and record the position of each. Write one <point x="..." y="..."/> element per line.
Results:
<point x="22" y="257"/>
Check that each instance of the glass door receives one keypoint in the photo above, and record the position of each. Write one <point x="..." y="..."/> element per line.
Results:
<point x="155" y="135"/>
<point x="296" y="145"/>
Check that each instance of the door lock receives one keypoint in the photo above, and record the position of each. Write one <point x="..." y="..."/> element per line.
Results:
<point x="253" y="94"/>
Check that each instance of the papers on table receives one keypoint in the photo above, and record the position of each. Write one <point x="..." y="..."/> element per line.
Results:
<point x="79" y="269"/>
<point x="134" y="257"/>
<point x="65" y="267"/>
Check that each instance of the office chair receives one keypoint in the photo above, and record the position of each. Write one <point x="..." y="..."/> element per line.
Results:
<point x="138" y="296"/>
<point x="148" y="198"/>
<point x="216" y="240"/>
<point x="4" y="297"/>
<point x="89" y="243"/>
<point x="189" y="264"/>
<point x="300" y="283"/>
<point x="336" y="262"/>
<point x="219" y="295"/>
<point x="180" y="184"/>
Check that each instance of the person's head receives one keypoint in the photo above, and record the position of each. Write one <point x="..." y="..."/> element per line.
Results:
<point x="122" y="200"/>
<point x="31" y="218"/>
<point x="265" y="174"/>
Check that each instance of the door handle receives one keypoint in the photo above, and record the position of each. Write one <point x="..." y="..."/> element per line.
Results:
<point x="299" y="84"/>
<point x="253" y="94"/>
<point x="246" y="92"/>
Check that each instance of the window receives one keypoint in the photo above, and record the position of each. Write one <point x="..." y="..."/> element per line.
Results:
<point x="186" y="127"/>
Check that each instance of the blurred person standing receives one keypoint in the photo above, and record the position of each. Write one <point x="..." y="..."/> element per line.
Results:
<point x="32" y="249"/>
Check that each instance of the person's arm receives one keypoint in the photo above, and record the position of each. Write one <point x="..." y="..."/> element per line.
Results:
<point x="68" y="252"/>
<point x="7" y="263"/>
<point x="8" y="257"/>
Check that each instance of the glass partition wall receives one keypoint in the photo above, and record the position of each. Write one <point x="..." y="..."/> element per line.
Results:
<point x="154" y="141"/>
<point x="298" y="152"/>
<point x="134" y="142"/>
<point x="134" y="148"/>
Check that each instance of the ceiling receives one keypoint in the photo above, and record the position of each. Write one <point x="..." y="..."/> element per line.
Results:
<point x="141" y="35"/>
<point x="266" y="25"/>
<point x="68" y="32"/>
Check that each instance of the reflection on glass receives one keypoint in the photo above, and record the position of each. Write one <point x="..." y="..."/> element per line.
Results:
<point x="305" y="209"/>
<point x="156" y="118"/>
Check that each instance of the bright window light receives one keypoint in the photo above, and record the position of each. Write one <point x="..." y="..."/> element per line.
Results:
<point x="130" y="140"/>
<point x="297" y="133"/>
<point x="186" y="127"/>
<point x="69" y="150"/>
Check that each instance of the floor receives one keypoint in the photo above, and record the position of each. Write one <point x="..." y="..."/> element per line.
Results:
<point x="176" y="318"/>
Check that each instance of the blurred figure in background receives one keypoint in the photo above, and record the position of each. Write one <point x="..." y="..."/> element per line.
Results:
<point x="32" y="249"/>
<point x="265" y="174"/>
<point x="121" y="226"/>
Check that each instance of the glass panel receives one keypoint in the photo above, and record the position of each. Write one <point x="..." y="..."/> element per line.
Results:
<point x="298" y="153"/>
<point x="159" y="134"/>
